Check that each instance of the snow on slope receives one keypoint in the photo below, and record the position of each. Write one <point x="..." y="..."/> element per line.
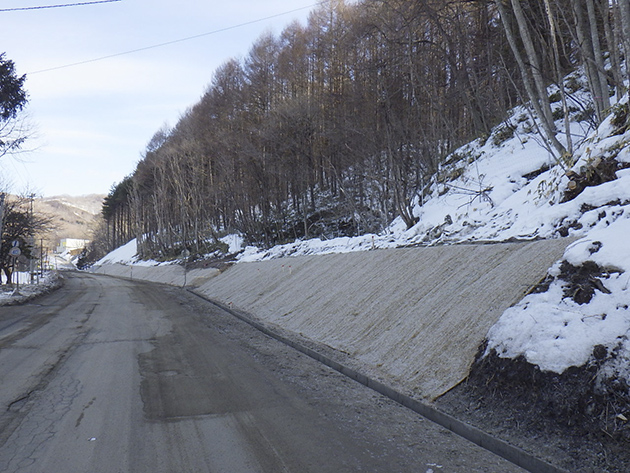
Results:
<point x="497" y="191"/>
<point x="562" y="327"/>
<point x="510" y="187"/>
<point x="125" y="254"/>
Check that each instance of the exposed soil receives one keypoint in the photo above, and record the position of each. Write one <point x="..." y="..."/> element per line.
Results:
<point x="582" y="281"/>
<point x="578" y="420"/>
<point x="596" y="173"/>
<point x="221" y="263"/>
<point x="564" y="419"/>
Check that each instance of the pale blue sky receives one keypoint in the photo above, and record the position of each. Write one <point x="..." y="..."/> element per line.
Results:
<point x="94" y="120"/>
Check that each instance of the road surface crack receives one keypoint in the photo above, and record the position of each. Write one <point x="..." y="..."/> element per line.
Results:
<point x="16" y="405"/>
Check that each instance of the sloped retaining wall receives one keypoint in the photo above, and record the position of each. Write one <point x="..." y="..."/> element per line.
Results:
<point x="416" y="315"/>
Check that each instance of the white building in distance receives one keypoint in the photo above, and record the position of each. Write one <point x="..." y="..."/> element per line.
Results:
<point x="71" y="244"/>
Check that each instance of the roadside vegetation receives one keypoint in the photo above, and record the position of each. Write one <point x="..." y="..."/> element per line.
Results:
<point x="19" y="224"/>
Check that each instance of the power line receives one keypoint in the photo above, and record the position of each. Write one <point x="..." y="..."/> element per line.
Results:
<point x="154" y="46"/>
<point x="58" y="6"/>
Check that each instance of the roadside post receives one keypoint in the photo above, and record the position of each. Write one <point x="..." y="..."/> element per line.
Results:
<point x="15" y="252"/>
<point x="185" y="255"/>
<point x="2" y="197"/>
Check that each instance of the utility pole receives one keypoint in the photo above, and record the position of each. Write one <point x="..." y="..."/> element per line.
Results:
<point x="2" y="197"/>
<point x="31" y="242"/>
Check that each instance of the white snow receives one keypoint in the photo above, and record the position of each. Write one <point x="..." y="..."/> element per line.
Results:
<point x="125" y="254"/>
<point x="234" y="243"/>
<point x="27" y="290"/>
<point x="22" y="278"/>
<point x="554" y="332"/>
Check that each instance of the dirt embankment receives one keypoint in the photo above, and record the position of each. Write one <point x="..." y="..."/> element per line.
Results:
<point x="578" y="420"/>
<point x="559" y="418"/>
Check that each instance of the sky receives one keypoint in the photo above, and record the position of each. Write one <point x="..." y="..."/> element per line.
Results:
<point x="92" y="121"/>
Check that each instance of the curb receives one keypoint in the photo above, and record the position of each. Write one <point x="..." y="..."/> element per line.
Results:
<point x="499" y="447"/>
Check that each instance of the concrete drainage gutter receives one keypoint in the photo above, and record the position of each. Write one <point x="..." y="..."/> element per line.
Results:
<point x="499" y="447"/>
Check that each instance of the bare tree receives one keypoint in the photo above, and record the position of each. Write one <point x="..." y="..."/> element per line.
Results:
<point x="588" y="36"/>
<point x="347" y="117"/>
<point x="530" y="69"/>
<point x="559" y="76"/>
<point x="19" y="226"/>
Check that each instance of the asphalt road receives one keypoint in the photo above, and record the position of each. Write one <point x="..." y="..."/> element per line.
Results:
<point x="107" y="375"/>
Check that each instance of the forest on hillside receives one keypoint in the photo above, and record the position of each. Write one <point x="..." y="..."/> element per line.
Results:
<point x="335" y="127"/>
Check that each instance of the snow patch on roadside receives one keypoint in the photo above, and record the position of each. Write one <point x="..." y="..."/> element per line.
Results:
<point x="48" y="282"/>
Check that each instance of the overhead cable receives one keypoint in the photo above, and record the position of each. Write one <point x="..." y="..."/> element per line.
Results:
<point x="42" y="7"/>
<point x="154" y="46"/>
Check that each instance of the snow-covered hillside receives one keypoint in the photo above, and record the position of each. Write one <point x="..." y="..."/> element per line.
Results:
<point x="510" y="187"/>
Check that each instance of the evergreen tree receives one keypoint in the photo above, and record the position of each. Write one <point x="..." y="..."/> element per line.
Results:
<point x="13" y="99"/>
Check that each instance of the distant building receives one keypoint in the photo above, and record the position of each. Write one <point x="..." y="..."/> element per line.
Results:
<point x="71" y="245"/>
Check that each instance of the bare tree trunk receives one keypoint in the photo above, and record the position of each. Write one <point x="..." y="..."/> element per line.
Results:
<point x="539" y="103"/>
<point x="624" y="13"/>
<point x="533" y="59"/>
<point x="607" y="9"/>
<point x="559" y="76"/>
<point x="585" y="40"/>
<point x="598" y="58"/>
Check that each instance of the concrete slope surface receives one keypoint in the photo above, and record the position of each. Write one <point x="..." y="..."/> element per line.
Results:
<point x="416" y="316"/>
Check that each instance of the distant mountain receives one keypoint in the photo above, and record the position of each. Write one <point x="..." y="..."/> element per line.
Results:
<point x="73" y="216"/>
